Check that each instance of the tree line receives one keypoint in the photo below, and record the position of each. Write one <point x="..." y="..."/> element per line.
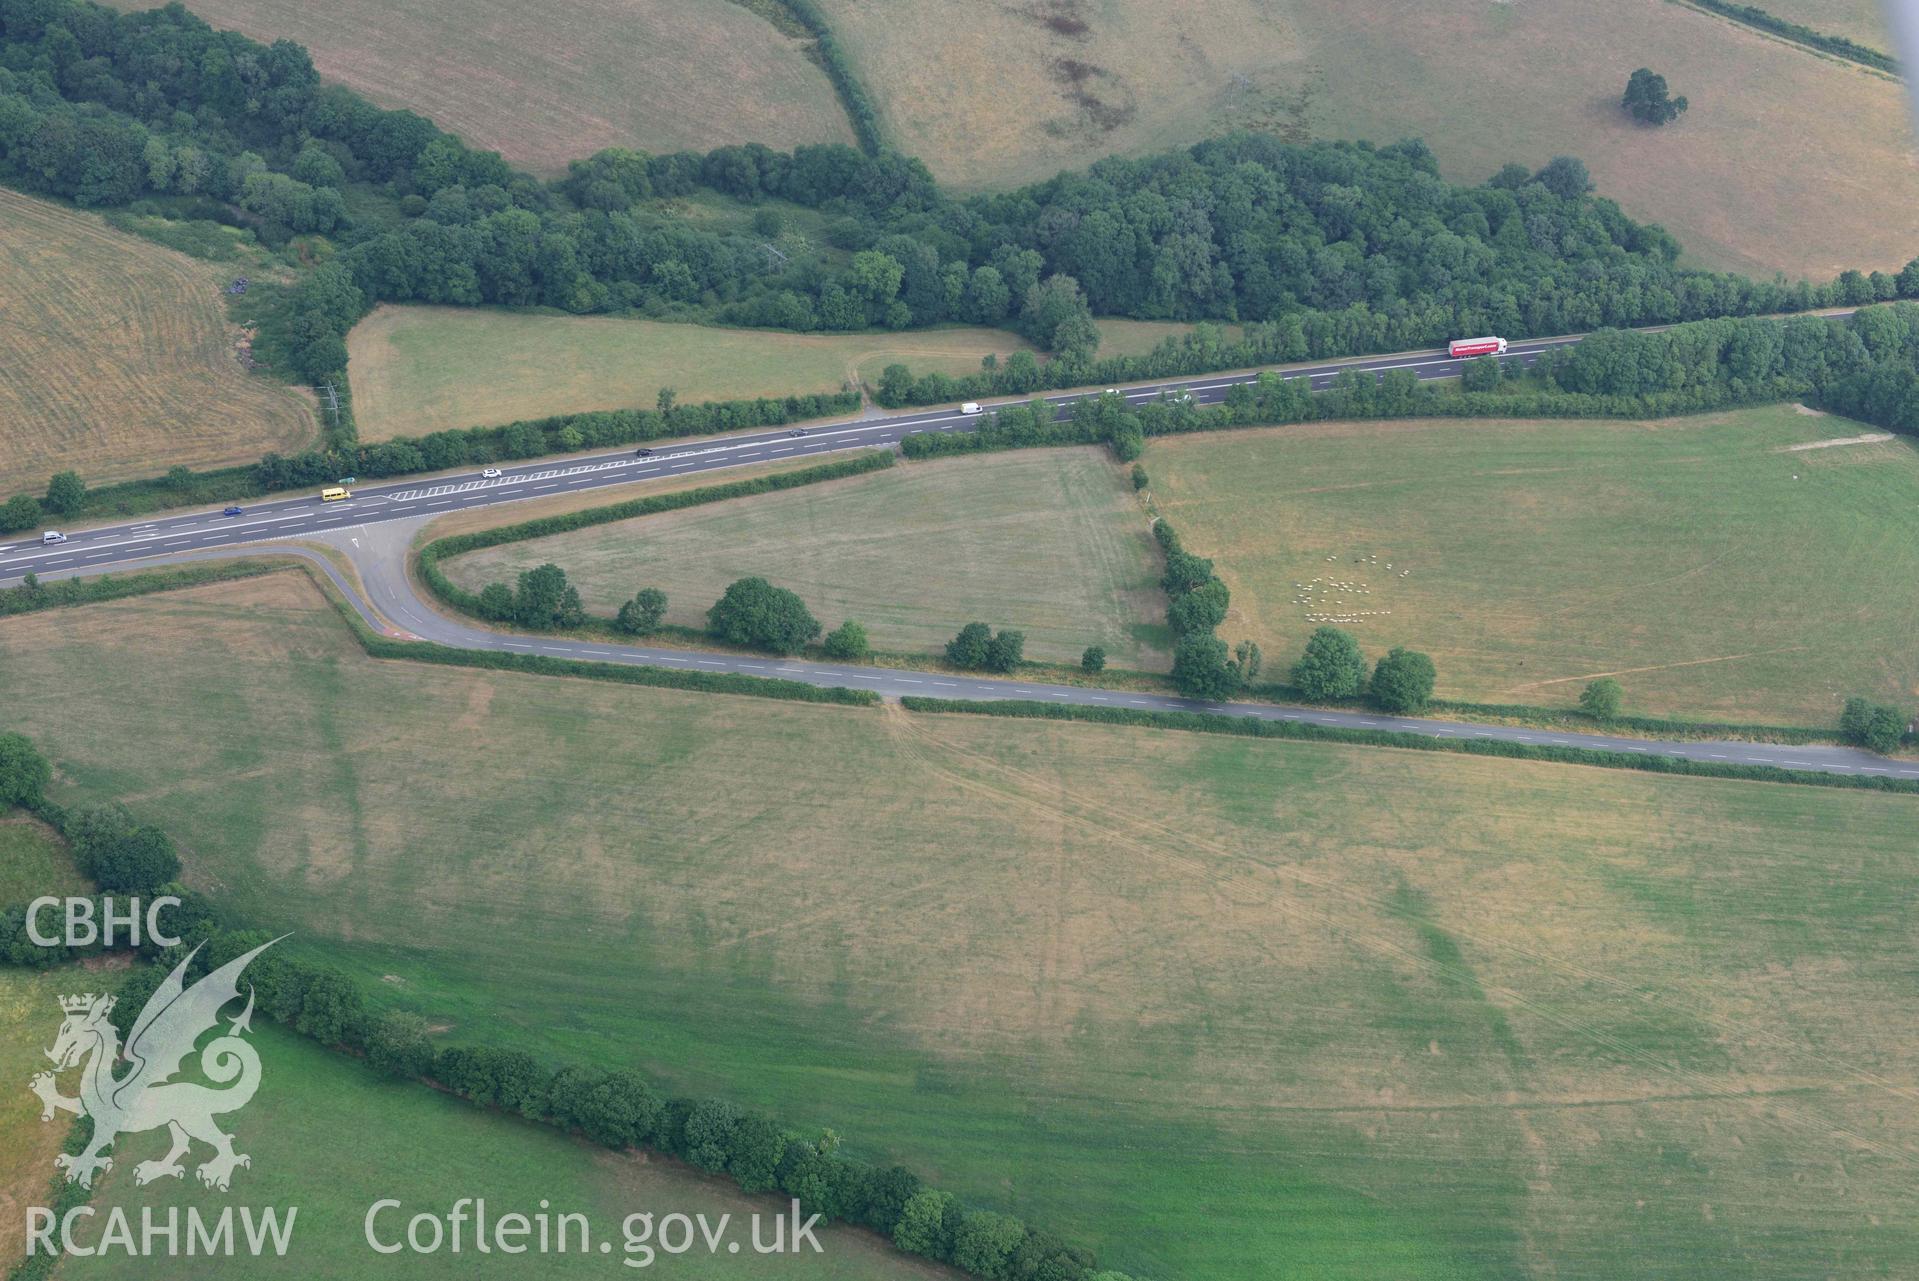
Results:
<point x="1197" y="602"/>
<point x="1365" y="247"/>
<point x="1864" y="366"/>
<point x="618" y="1108"/>
<point x="750" y="614"/>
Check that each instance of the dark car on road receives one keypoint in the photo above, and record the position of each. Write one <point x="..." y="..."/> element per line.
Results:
<point x="797" y="431"/>
<point x="234" y="511"/>
<point x="642" y="453"/>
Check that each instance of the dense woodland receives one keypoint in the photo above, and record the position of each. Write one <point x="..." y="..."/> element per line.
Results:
<point x="1368" y="247"/>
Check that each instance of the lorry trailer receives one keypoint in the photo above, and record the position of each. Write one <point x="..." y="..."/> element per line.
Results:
<point x="1460" y="348"/>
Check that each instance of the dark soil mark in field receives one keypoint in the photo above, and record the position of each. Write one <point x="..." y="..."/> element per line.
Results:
<point x="1109" y="108"/>
<point x="1285" y="113"/>
<point x="1062" y="17"/>
<point x="1101" y="100"/>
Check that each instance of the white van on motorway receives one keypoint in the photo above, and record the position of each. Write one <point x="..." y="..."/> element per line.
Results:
<point x="51" y="537"/>
<point x="970" y="407"/>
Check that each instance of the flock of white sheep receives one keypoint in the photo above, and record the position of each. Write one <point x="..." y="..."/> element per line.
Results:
<point x="1335" y="600"/>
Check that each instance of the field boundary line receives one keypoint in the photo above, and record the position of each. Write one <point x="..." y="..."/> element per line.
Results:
<point x="1251" y="727"/>
<point x="1800" y="36"/>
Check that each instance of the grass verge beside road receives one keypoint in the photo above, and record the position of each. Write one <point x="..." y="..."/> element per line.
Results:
<point x="1250" y="727"/>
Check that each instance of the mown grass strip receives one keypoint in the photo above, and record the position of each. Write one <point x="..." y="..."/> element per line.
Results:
<point x="1251" y="727"/>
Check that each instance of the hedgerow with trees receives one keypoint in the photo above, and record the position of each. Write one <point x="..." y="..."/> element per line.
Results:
<point x="1864" y="366"/>
<point x="1203" y="667"/>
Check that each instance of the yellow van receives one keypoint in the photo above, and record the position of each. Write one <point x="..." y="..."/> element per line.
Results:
<point x="334" y="493"/>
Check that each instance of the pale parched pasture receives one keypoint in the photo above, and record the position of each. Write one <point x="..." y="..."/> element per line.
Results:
<point x="544" y="84"/>
<point x="1788" y="161"/>
<point x="120" y="362"/>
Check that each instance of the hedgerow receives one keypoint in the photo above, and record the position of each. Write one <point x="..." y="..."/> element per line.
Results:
<point x="1255" y="727"/>
<point x="1798" y="33"/>
<point x="32" y="597"/>
<point x="618" y="673"/>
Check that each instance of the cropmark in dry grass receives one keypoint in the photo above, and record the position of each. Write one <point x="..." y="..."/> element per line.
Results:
<point x="1206" y="1002"/>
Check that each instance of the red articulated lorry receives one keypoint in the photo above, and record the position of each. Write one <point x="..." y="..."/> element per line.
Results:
<point x="1460" y="348"/>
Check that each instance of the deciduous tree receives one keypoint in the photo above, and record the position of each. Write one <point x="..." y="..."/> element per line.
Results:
<point x="65" y="492"/>
<point x="1332" y="666"/>
<point x="1202" y="667"/>
<point x="755" y="613"/>
<point x="1005" y="651"/>
<point x="1602" y="699"/>
<point x="546" y="600"/>
<point x="1403" y="682"/>
<point x="967" y="650"/>
<point x="24" y="773"/>
<point x="1649" y="101"/>
<point x="642" y="615"/>
<point x="847" y="641"/>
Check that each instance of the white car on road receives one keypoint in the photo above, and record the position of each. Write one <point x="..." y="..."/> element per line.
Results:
<point x="970" y="407"/>
<point x="52" y="536"/>
<point x="491" y="473"/>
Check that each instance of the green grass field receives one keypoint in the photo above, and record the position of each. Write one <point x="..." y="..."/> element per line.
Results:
<point x="1051" y="542"/>
<point x="29" y="1018"/>
<point x="1714" y="570"/>
<point x="330" y="1137"/>
<point x="34" y="861"/>
<point x="119" y="360"/>
<point x="1228" y="1008"/>
<point x="543" y="88"/>
<point x="1781" y="164"/>
<point x="422" y="369"/>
